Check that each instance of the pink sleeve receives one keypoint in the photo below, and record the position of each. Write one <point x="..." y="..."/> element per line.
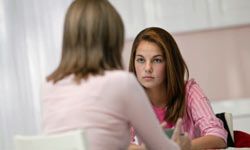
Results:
<point x="202" y="113"/>
<point x="142" y="118"/>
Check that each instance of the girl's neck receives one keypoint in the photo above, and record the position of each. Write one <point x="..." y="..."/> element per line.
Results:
<point x="158" y="97"/>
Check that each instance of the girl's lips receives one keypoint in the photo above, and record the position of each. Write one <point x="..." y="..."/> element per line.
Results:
<point x="148" y="78"/>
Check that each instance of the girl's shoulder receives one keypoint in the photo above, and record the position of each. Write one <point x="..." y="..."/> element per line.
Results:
<point x="191" y="85"/>
<point x="193" y="91"/>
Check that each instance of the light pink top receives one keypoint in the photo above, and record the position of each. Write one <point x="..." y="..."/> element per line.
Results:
<point x="199" y="119"/>
<point x="105" y="107"/>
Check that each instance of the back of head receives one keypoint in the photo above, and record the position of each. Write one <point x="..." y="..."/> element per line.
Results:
<point x="92" y="41"/>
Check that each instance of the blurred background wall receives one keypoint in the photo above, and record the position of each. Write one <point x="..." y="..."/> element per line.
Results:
<point x="213" y="37"/>
<point x="219" y="59"/>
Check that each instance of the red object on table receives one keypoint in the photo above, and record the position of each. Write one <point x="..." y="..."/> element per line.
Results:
<point x="241" y="139"/>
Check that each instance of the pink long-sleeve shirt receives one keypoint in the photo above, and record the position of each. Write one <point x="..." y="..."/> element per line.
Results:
<point x="200" y="119"/>
<point x="104" y="107"/>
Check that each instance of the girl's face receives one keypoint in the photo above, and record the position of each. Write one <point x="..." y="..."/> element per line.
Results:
<point x="150" y="65"/>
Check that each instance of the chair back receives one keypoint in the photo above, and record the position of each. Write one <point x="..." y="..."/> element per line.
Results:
<point x="227" y="120"/>
<point x="72" y="140"/>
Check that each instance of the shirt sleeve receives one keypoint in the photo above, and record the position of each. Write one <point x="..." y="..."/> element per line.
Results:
<point x="202" y="113"/>
<point x="142" y="118"/>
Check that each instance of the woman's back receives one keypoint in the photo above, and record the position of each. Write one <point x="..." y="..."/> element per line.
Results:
<point x="94" y="105"/>
<point x="104" y="106"/>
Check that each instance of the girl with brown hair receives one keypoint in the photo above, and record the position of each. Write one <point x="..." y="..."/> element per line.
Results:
<point x="161" y="70"/>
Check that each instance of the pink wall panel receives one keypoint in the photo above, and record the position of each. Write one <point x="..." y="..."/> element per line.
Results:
<point x="218" y="59"/>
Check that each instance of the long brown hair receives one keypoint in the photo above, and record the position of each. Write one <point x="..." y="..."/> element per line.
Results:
<point x="92" y="41"/>
<point x="176" y="69"/>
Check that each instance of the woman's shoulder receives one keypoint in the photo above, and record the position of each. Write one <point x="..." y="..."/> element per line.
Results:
<point x="193" y="90"/>
<point x="190" y="82"/>
<point x="121" y="80"/>
<point x="191" y="85"/>
<point x="119" y="75"/>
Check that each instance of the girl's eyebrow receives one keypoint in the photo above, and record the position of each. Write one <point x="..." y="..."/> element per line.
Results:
<point x="158" y="56"/>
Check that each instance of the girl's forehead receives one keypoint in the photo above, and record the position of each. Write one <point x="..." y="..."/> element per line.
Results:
<point x="148" y="48"/>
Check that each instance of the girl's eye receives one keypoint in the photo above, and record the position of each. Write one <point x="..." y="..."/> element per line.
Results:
<point x="157" y="60"/>
<point x="140" y="60"/>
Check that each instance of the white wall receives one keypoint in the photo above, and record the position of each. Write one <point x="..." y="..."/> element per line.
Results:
<point x="182" y="15"/>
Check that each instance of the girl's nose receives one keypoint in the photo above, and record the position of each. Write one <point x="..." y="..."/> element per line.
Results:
<point x="148" y="67"/>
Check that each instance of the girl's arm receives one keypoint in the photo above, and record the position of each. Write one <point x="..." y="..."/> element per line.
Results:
<point x="205" y="142"/>
<point x="213" y="134"/>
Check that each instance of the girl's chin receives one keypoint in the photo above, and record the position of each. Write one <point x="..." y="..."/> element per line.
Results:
<point x="148" y="86"/>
